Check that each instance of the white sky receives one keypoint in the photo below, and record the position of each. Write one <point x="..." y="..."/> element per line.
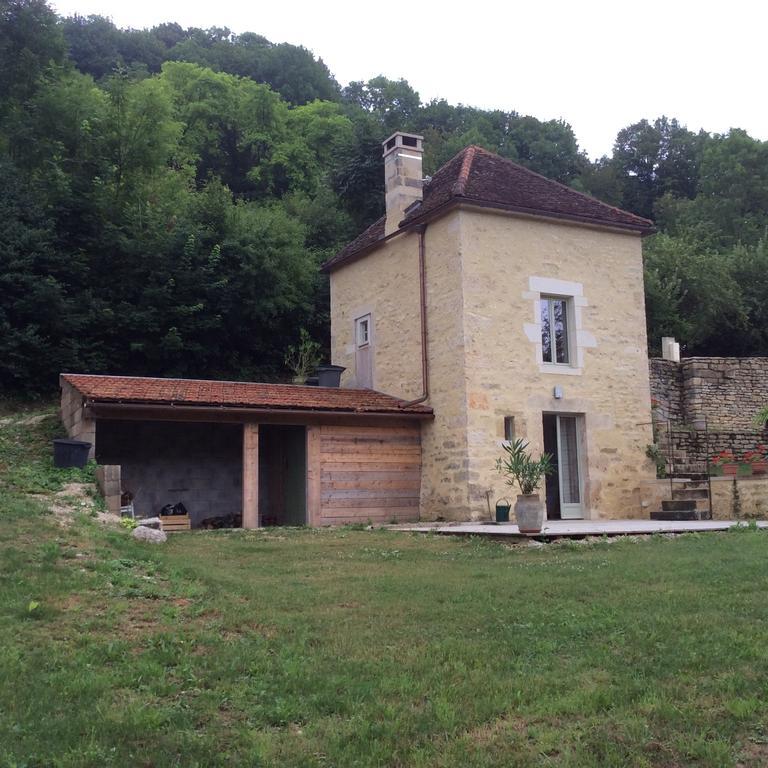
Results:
<point x="598" y="65"/>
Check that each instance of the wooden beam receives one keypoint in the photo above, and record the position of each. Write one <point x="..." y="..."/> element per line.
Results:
<point x="314" y="474"/>
<point x="250" y="475"/>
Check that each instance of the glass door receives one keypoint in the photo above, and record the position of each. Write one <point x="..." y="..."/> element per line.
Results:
<point x="569" y="469"/>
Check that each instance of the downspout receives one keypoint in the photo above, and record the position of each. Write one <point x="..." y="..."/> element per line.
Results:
<point x="421" y="230"/>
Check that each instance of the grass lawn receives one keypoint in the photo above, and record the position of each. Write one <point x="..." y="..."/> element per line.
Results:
<point x="357" y="648"/>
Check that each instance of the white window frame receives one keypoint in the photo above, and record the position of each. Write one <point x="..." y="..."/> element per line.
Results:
<point x="363" y="322"/>
<point x="549" y="300"/>
<point x="579" y="339"/>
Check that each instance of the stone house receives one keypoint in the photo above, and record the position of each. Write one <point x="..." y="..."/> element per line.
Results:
<point x="488" y="303"/>
<point x="514" y="307"/>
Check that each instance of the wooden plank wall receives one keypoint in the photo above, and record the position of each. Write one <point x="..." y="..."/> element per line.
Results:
<point x="369" y="474"/>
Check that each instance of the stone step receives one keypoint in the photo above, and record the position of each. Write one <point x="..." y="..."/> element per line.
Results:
<point x="683" y="514"/>
<point x="678" y="505"/>
<point x="695" y="485"/>
<point x="690" y="493"/>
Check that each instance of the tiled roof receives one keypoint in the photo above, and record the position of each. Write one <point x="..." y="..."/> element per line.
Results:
<point x="237" y="394"/>
<point x="479" y="177"/>
<point x="369" y="237"/>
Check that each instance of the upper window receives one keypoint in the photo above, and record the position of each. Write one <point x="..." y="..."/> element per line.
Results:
<point x="555" y="344"/>
<point x="363" y="331"/>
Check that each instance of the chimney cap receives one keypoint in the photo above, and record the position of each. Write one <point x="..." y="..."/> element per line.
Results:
<point x="402" y="140"/>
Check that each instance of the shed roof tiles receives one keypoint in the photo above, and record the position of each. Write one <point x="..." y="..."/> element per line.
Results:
<point x="237" y="394"/>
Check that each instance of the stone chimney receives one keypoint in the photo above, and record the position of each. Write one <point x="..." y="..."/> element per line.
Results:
<point x="670" y="349"/>
<point x="402" y="176"/>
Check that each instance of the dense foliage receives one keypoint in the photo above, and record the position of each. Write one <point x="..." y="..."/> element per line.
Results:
<point x="167" y="195"/>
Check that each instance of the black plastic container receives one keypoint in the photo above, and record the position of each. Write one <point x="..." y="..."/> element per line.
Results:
<point x="70" y="453"/>
<point x="329" y="375"/>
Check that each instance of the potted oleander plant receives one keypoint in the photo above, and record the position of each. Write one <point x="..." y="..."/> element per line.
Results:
<point x="518" y="468"/>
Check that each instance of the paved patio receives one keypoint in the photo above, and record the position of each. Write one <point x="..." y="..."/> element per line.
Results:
<point x="554" y="529"/>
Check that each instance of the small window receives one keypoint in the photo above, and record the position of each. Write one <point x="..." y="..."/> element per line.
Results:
<point x="509" y="428"/>
<point x="554" y="330"/>
<point x="363" y="331"/>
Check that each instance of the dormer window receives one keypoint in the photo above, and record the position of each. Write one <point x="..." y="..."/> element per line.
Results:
<point x="555" y="342"/>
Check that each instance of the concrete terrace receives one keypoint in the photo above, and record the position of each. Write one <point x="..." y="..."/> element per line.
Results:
<point x="575" y="529"/>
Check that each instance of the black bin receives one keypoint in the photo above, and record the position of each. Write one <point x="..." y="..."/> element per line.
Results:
<point x="329" y="375"/>
<point x="70" y="453"/>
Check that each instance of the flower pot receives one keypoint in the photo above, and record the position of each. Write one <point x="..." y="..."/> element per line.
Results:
<point x="759" y="467"/>
<point x="731" y="469"/>
<point x="529" y="513"/>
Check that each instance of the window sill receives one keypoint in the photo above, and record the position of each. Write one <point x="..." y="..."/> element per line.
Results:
<point x="560" y="369"/>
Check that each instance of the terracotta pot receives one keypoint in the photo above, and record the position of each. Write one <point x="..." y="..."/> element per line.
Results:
<point x="730" y="469"/>
<point x="759" y="467"/>
<point x="529" y="513"/>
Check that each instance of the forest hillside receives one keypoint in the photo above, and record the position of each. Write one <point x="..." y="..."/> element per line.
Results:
<point x="167" y="195"/>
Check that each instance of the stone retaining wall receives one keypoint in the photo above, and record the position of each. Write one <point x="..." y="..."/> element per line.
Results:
<point x="752" y="494"/>
<point x="689" y="445"/>
<point x="715" y="398"/>
<point x="726" y="391"/>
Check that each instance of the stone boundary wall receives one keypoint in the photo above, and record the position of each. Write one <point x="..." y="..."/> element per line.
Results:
<point x="690" y="445"/>
<point x="667" y="390"/>
<point x="726" y="391"/>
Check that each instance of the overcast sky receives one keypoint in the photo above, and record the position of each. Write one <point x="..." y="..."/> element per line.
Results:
<point x="597" y="65"/>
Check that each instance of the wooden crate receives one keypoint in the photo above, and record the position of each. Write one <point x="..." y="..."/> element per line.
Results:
<point x="170" y="523"/>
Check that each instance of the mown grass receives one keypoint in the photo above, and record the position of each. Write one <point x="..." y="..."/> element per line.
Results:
<point x="362" y="648"/>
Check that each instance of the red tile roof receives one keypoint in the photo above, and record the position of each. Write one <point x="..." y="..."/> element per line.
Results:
<point x="237" y="394"/>
<point x="476" y="176"/>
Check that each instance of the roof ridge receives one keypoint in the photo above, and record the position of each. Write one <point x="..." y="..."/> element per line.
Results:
<point x="559" y="183"/>
<point x="460" y="185"/>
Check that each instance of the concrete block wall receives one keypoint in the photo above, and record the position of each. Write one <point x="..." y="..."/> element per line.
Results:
<point x="163" y="463"/>
<point x="108" y="480"/>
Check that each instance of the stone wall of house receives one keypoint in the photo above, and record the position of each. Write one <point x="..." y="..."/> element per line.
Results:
<point x="386" y="284"/>
<point x="508" y="263"/>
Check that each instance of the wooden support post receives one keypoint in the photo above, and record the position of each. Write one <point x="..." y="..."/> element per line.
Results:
<point x="314" y="470"/>
<point x="250" y="475"/>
